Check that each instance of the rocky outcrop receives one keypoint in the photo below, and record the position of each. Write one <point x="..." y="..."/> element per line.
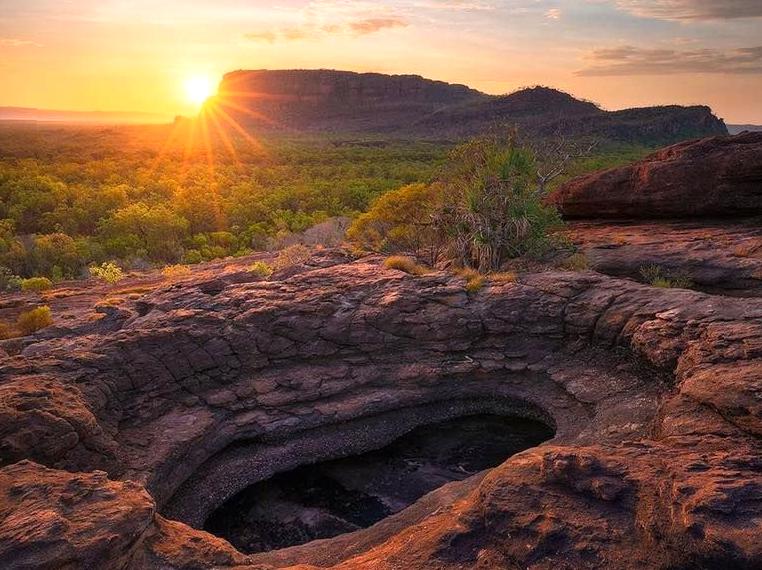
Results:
<point x="713" y="177"/>
<point x="722" y="258"/>
<point x="409" y="105"/>
<point x="652" y="394"/>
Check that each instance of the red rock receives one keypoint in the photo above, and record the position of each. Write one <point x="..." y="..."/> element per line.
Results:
<point x="653" y="394"/>
<point x="712" y="177"/>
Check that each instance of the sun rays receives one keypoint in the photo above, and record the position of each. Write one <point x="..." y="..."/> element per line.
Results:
<point x="223" y="129"/>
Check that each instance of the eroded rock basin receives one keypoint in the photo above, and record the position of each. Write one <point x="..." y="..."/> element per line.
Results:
<point x="343" y="495"/>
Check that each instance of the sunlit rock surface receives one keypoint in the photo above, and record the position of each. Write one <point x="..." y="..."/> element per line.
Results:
<point x="653" y="395"/>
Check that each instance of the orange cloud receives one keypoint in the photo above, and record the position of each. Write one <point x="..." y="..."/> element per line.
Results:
<point x="358" y="27"/>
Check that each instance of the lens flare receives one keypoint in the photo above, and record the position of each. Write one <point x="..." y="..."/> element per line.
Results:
<point x="198" y="89"/>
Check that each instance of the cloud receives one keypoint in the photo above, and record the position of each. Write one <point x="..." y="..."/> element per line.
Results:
<point x="354" y="27"/>
<point x="16" y="42"/>
<point x="629" y="60"/>
<point x="693" y="9"/>
<point x="372" y="25"/>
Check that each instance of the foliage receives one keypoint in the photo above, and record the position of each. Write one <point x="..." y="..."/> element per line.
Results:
<point x="400" y="220"/>
<point x="404" y="263"/>
<point x="9" y="281"/>
<point x="72" y="197"/>
<point x="109" y="272"/>
<point x="29" y="322"/>
<point x="36" y="284"/>
<point x="175" y="271"/>
<point x="657" y="276"/>
<point x="7" y="331"/>
<point x="261" y="269"/>
<point x="492" y="205"/>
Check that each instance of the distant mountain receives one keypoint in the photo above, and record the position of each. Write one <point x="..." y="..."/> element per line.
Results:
<point x="91" y="117"/>
<point x="327" y="101"/>
<point x="736" y="129"/>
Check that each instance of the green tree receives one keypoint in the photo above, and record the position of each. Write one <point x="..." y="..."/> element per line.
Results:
<point x="155" y="230"/>
<point x="401" y="220"/>
<point x="59" y="251"/>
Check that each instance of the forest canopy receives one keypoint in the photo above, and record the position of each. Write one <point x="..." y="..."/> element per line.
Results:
<point x="76" y="196"/>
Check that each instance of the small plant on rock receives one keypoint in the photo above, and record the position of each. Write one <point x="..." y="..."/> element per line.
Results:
<point x="8" y="280"/>
<point x="657" y="276"/>
<point x="108" y="272"/>
<point x="292" y="255"/>
<point x="504" y="277"/>
<point x="175" y="271"/>
<point x="261" y="269"/>
<point x="29" y="322"/>
<point x="576" y="262"/>
<point x="404" y="263"/>
<point x="474" y="280"/>
<point x="36" y="284"/>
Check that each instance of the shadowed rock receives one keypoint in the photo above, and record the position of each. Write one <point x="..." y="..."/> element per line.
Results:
<point x="714" y="177"/>
<point x="331" y="101"/>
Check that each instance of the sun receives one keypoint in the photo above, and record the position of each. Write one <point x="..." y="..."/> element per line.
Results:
<point x="198" y="89"/>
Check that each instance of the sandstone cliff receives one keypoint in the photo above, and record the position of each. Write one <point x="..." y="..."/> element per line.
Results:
<point x="325" y="101"/>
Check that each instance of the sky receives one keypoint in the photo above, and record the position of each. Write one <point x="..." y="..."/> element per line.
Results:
<point x="139" y="55"/>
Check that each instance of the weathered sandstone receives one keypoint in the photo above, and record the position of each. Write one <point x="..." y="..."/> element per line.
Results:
<point x="713" y="177"/>
<point x="653" y="395"/>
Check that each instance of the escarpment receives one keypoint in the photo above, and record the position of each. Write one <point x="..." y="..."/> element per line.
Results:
<point x="405" y="106"/>
<point x="118" y="441"/>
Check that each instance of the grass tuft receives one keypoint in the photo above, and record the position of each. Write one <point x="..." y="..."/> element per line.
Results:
<point x="175" y="271"/>
<point x="404" y="263"/>
<point x="576" y="262"/>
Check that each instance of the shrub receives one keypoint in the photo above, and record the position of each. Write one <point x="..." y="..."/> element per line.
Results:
<point x="292" y="255"/>
<point x="9" y="281"/>
<point x="261" y="269"/>
<point x="175" y="271"/>
<point x="192" y="256"/>
<point x="651" y="273"/>
<point x="109" y="272"/>
<point x="400" y="220"/>
<point x="475" y="284"/>
<point x="492" y="205"/>
<point x="31" y="321"/>
<point x="681" y="281"/>
<point x="403" y="263"/>
<point x="36" y="284"/>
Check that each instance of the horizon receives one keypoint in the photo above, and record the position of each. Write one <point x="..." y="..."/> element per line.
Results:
<point x="618" y="53"/>
<point x="128" y="117"/>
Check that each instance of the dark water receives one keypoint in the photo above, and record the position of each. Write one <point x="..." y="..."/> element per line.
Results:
<point x="334" y="497"/>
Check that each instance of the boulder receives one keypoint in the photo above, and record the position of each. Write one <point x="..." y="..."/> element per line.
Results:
<point x="712" y="177"/>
